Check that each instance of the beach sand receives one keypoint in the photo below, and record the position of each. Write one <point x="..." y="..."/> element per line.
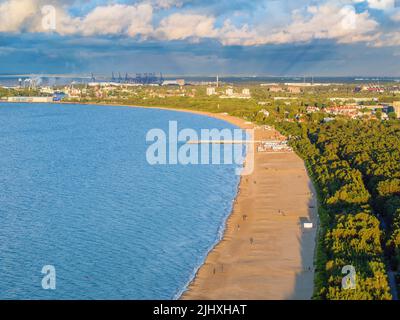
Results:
<point x="266" y="255"/>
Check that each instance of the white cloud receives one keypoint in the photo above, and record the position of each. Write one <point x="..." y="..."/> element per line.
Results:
<point x="14" y="14"/>
<point x="390" y="39"/>
<point x="331" y="20"/>
<point x="381" y="4"/>
<point x="183" y="26"/>
<point x="324" y="22"/>
<point x="378" y="4"/>
<point x="132" y="20"/>
<point x="117" y="19"/>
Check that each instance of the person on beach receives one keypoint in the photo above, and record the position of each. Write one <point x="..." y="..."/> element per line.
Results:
<point x="251" y="240"/>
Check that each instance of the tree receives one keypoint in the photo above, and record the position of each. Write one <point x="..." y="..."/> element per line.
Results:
<point x="392" y="115"/>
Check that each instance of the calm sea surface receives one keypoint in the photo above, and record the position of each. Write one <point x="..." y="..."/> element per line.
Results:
<point x="76" y="192"/>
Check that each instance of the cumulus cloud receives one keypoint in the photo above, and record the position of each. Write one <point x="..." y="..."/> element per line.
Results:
<point x="27" y="15"/>
<point x="381" y="4"/>
<point x="183" y="26"/>
<point x="378" y="4"/>
<point x="14" y="14"/>
<point x="113" y="19"/>
<point x="331" y="20"/>
<point x="390" y="39"/>
<point x="318" y="22"/>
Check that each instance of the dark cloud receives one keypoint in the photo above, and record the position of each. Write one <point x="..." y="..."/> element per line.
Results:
<point x="55" y="54"/>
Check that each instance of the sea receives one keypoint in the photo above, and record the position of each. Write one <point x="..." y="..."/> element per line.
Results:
<point x="83" y="215"/>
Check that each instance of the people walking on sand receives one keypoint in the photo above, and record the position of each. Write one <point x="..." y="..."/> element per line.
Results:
<point x="238" y="227"/>
<point x="214" y="271"/>
<point x="251" y="240"/>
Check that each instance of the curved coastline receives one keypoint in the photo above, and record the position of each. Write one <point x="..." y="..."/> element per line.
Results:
<point x="255" y="276"/>
<point x="240" y="123"/>
<point x="282" y="264"/>
<point x="268" y="255"/>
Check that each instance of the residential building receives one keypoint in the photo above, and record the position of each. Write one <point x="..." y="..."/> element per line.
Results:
<point x="211" y="91"/>
<point x="246" y="92"/>
<point x="229" y="92"/>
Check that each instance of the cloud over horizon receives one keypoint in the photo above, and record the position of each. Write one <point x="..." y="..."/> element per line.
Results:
<point x="338" y="20"/>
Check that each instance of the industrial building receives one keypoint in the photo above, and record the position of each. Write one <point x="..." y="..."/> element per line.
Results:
<point x="30" y="99"/>
<point x="177" y="82"/>
<point x="140" y="78"/>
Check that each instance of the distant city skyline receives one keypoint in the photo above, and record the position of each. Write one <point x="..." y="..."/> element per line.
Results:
<point x="193" y="37"/>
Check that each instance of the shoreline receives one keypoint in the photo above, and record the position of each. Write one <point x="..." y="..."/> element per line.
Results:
<point x="268" y="255"/>
<point x="234" y="268"/>
<point x="295" y="279"/>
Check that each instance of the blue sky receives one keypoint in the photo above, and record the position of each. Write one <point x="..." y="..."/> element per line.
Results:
<point x="202" y="37"/>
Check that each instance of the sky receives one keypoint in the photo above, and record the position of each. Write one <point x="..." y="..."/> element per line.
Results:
<point x="201" y="37"/>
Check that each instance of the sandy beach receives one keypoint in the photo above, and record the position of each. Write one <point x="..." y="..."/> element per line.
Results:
<point x="265" y="252"/>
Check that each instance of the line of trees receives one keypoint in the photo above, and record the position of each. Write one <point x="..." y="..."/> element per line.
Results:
<point x="354" y="165"/>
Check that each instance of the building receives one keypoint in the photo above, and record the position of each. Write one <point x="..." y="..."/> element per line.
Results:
<point x="274" y="146"/>
<point x="30" y="99"/>
<point x="396" y="107"/>
<point x="246" y="92"/>
<point x="229" y="92"/>
<point x="293" y="89"/>
<point x="177" y="82"/>
<point x="373" y="88"/>
<point x="211" y="91"/>
<point x="351" y="111"/>
<point x="276" y="89"/>
<point x="312" y="109"/>
<point x="72" y="92"/>
<point x="47" y="90"/>
<point x="358" y="100"/>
